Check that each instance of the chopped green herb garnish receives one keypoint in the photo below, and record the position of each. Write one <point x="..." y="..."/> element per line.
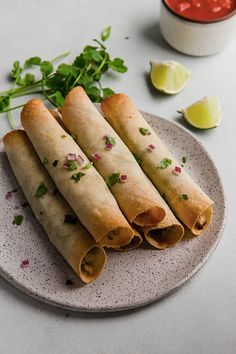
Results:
<point x="144" y="131"/>
<point x="77" y="176"/>
<point x="54" y="81"/>
<point x="165" y="163"/>
<point x="55" y="162"/>
<point x="18" y="219"/>
<point x="45" y="161"/>
<point x="138" y="159"/>
<point x="72" y="165"/>
<point x="63" y="136"/>
<point x="75" y="137"/>
<point x="90" y="164"/>
<point x="70" y="219"/>
<point x="184" y="159"/>
<point x="110" y="140"/>
<point x="183" y="196"/>
<point x="41" y="190"/>
<point x="113" y="179"/>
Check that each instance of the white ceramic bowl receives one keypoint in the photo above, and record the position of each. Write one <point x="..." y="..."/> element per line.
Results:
<point x="195" y="37"/>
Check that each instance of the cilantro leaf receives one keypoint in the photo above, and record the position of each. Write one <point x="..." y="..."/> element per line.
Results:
<point x="46" y="68"/>
<point x="110" y="140"/>
<point x="106" y="33"/>
<point x="72" y="165"/>
<point x="113" y="179"/>
<point x="94" y="93"/>
<point x="107" y="92"/>
<point x="18" y="219"/>
<point x="16" y="71"/>
<point x="77" y="176"/>
<point x="58" y="98"/>
<point x="4" y="103"/>
<point x="183" y="196"/>
<point x="41" y="190"/>
<point x="184" y="159"/>
<point x="28" y="79"/>
<point x="165" y="163"/>
<point x="144" y="131"/>
<point x="117" y="64"/>
<point x="66" y="69"/>
<point x="90" y="164"/>
<point x="31" y="62"/>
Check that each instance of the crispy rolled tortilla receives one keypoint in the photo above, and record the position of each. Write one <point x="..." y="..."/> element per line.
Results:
<point x="189" y="203"/>
<point x="138" y="199"/>
<point x="167" y="233"/>
<point x="84" y="189"/>
<point x="134" y="243"/>
<point x="72" y="241"/>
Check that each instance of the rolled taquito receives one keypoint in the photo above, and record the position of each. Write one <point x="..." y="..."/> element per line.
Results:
<point x="80" y="184"/>
<point x="186" y="199"/>
<point x="167" y="233"/>
<point x="138" y="199"/>
<point x="134" y="243"/>
<point x="62" y="227"/>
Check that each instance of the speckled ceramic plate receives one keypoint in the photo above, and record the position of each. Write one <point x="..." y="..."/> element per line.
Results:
<point x="130" y="279"/>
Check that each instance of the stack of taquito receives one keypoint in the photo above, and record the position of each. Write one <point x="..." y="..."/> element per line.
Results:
<point x="89" y="160"/>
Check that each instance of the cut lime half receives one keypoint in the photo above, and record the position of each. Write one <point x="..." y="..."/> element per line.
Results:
<point x="169" y="76"/>
<point x="203" y="114"/>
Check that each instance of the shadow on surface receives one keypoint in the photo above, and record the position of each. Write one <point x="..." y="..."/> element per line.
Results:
<point x="152" y="33"/>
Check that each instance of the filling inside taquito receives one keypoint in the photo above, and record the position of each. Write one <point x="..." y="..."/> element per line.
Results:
<point x="134" y="243"/>
<point x="62" y="227"/>
<point x="163" y="237"/>
<point x="202" y="221"/>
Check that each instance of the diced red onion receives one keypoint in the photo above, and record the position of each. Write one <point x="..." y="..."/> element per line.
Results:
<point x="8" y="195"/>
<point x="108" y="147"/>
<point x="177" y="170"/>
<point x="151" y="147"/>
<point x="65" y="165"/>
<point x="123" y="178"/>
<point x="24" y="263"/>
<point x="80" y="159"/>
<point x="16" y="207"/>
<point x="96" y="156"/>
<point x="71" y="157"/>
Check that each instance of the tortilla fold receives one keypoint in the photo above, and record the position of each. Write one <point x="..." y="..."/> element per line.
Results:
<point x="186" y="199"/>
<point x="84" y="189"/>
<point x="72" y="241"/>
<point x="138" y="199"/>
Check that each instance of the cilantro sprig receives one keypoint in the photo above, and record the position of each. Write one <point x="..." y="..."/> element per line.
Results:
<point x="54" y="82"/>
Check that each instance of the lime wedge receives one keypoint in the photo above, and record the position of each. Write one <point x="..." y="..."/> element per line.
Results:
<point x="169" y="76"/>
<point x="203" y="114"/>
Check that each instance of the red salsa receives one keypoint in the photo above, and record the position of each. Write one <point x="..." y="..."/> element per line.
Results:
<point x="202" y="10"/>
